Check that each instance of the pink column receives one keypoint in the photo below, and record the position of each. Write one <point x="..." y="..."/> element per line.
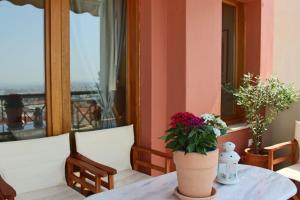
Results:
<point x="259" y="28"/>
<point x="176" y="79"/>
<point x="180" y="62"/>
<point x="203" y="56"/>
<point x="154" y="71"/>
<point x="181" y="59"/>
<point x="159" y="72"/>
<point x="252" y="36"/>
<point x="267" y="37"/>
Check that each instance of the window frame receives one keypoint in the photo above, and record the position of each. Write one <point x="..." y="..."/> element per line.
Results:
<point x="57" y="67"/>
<point x="57" y="76"/>
<point x="239" y="56"/>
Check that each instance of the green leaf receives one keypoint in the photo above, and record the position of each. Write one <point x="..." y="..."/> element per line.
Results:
<point x="164" y="137"/>
<point x="172" y="145"/>
<point x="181" y="140"/>
<point x="170" y="137"/>
<point x="191" y="148"/>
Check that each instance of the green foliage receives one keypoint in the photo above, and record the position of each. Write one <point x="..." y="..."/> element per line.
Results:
<point x="193" y="134"/>
<point x="198" y="139"/>
<point x="262" y="101"/>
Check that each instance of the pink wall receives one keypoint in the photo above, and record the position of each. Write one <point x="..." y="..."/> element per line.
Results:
<point x="159" y="71"/>
<point x="176" y="93"/>
<point x="252" y="36"/>
<point x="259" y="28"/>
<point x="181" y="60"/>
<point x="203" y="51"/>
<point x="162" y="66"/>
<point x="174" y="64"/>
<point x="177" y="73"/>
<point x="267" y="37"/>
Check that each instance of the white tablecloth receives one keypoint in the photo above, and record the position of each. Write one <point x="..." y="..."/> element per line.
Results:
<point x="255" y="184"/>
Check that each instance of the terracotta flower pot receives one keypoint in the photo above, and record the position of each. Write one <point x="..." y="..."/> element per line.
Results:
<point x="259" y="160"/>
<point x="196" y="173"/>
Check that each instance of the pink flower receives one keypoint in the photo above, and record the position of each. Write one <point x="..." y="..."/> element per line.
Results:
<point x="186" y="119"/>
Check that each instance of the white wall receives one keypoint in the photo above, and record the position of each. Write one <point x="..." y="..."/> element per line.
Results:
<point x="286" y="62"/>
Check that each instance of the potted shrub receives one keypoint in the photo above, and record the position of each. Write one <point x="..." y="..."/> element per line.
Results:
<point x="193" y="141"/>
<point x="261" y="101"/>
<point x="14" y="110"/>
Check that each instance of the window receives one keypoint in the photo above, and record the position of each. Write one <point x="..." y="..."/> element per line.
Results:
<point x="74" y="58"/>
<point x="98" y="64"/>
<point x="22" y="65"/>
<point x="232" y="57"/>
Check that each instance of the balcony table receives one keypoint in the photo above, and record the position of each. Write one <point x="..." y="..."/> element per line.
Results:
<point x="255" y="184"/>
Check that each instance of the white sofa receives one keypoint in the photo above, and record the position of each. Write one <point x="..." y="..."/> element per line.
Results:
<point x="35" y="169"/>
<point x="111" y="149"/>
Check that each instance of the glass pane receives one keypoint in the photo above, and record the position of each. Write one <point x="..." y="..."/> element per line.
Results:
<point x="228" y="107"/>
<point x="98" y="64"/>
<point x="22" y="61"/>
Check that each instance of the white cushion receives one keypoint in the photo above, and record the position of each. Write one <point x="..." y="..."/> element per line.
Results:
<point x="292" y="172"/>
<point x="60" y="192"/>
<point x="34" y="164"/>
<point x="110" y="147"/>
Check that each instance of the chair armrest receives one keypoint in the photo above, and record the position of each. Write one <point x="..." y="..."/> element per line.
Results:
<point x="279" y="146"/>
<point x="86" y="166"/>
<point x="137" y="162"/>
<point x="6" y="191"/>
<point x="152" y="151"/>
<point x="291" y="157"/>
<point x="89" y="177"/>
<point x="107" y="169"/>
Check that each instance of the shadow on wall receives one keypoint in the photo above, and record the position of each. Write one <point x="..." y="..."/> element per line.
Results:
<point x="282" y="129"/>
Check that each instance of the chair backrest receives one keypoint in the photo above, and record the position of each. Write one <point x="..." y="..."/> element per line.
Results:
<point x="297" y="131"/>
<point x="34" y="164"/>
<point x="110" y="147"/>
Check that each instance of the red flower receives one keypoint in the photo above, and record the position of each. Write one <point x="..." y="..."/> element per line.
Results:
<point x="186" y="119"/>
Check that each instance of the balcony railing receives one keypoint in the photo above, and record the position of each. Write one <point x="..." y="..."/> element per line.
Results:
<point x="85" y="111"/>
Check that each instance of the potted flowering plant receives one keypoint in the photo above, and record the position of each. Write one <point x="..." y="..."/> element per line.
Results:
<point x="193" y="141"/>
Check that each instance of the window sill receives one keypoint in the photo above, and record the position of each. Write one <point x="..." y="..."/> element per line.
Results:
<point x="237" y="127"/>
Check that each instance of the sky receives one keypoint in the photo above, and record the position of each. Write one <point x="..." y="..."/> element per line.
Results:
<point x="22" y="59"/>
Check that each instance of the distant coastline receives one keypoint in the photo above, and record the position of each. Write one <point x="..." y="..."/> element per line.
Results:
<point x="38" y="88"/>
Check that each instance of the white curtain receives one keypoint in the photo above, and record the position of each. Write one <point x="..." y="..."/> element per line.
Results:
<point x="112" y="33"/>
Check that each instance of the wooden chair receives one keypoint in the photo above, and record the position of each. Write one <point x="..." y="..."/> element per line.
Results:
<point x="112" y="151"/>
<point x="290" y="155"/>
<point x="42" y="169"/>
